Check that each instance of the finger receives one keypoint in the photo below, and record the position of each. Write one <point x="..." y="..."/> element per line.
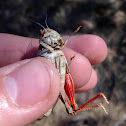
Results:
<point x="81" y="68"/>
<point x="90" y="84"/>
<point x="91" y="46"/>
<point x="27" y="87"/>
<point x="15" y="48"/>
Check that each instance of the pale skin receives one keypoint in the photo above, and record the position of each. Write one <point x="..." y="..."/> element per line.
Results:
<point x="13" y="51"/>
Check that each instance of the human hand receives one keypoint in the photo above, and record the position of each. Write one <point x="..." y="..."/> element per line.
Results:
<point x="28" y="88"/>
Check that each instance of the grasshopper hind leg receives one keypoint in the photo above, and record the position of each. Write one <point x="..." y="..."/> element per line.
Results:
<point x="82" y="108"/>
<point x="69" y="89"/>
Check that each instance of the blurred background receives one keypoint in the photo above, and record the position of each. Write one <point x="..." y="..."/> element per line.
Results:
<point x="106" y="18"/>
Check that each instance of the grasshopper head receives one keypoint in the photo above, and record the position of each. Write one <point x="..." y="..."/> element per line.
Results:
<point x="51" y="38"/>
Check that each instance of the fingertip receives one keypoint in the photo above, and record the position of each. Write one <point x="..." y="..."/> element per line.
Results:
<point x="90" y="85"/>
<point x="99" y="50"/>
<point x="92" y="47"/>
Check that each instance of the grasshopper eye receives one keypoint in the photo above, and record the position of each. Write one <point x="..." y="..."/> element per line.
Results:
<point x="60" y="42"/>
<point x="41" y="33"/>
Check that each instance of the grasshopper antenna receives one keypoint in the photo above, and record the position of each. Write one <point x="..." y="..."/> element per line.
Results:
<point x="34" y="22"/>
<point x="46" y="22"/>
<point x="67" y="39"/>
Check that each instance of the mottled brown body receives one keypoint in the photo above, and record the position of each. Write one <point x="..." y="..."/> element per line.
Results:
<point x="56" y="56"/>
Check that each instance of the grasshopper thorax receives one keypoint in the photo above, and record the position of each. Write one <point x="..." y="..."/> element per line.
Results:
<point x="51" y="38"/>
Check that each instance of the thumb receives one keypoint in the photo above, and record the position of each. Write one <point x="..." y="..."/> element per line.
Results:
<point x="27" y="87"/>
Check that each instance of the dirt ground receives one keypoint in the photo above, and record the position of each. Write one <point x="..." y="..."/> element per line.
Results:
<point x="106" y="18"/>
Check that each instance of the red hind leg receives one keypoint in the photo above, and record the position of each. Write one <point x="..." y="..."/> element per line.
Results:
<point x="69" y="86"/>
<point x="69" y="90"/>
<point x="94" y="106"/>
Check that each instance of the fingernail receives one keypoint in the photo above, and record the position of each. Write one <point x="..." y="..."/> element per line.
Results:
<point x="28" y="84"/>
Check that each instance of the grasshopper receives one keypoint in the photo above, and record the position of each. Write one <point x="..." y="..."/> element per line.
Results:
<point x="50" y="47"/>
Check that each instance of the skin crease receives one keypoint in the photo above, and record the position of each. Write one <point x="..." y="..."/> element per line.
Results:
<point x="88" y="50"/>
